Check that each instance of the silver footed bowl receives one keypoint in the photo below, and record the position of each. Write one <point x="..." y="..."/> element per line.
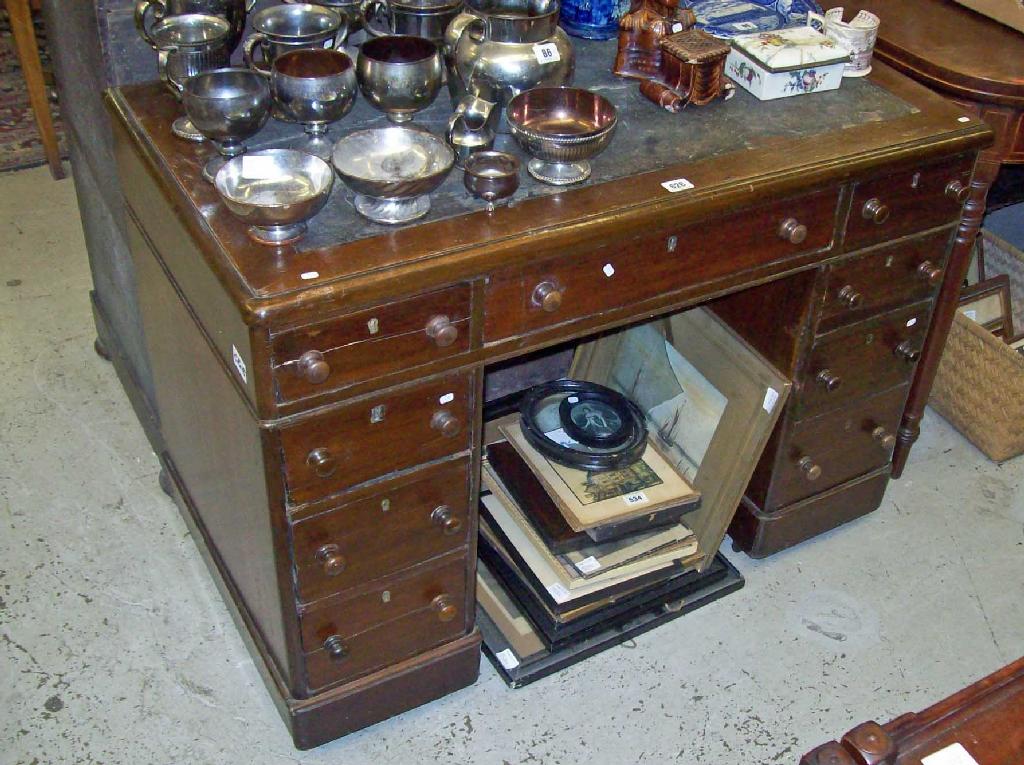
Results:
<point x="392" y="170"/>
<point x="491" y="175"/>
<point x="400" y="74"/>
<point x="275" y="191"/>
<point x="561" y="128"/>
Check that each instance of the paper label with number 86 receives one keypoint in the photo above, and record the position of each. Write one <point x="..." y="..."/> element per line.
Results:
<point x="546" y="53"/>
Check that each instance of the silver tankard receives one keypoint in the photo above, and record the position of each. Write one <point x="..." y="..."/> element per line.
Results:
<point x="149" y="12"/>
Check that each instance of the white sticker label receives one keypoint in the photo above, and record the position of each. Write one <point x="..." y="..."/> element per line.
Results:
<point x="679" y="184"/>
<point x="447" y="398"/>
<point x="546" y="53"/>
<point x="609" y="270"/>
<point x="971" y="314"/>
<point x="745" y="26"/>
<point x="771" y="398"/>
<point x="258" y="168"/>
<point x="677" y="27"/>
<point x="558" y="592"/>
<point x="588" y="565"/>
<point x="963" y="119"/>
<point x="911" y="322"/>
<point x="954" y="754"/>
<point x="573" y="399"/>
<point x="507" y="659"/>
<point x="636" y="498"/>
<point x="239" y="364"/>
<point x="307" y="275"/>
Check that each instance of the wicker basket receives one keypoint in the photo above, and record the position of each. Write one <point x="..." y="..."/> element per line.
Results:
<point x="979" y="388"/>
<point x="1001" y="257"/>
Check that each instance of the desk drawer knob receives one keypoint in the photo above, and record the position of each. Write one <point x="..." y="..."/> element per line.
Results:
<point x="829" y="380"/>
<point x="929" y="272"/>
<point x="792" y="231"/>
<point x="322" y="462"/>
<point x="335" y="648"/>
<point x="875" y="210"/>
<point x="333" y="561"/>
<point x="885" y="439"/>
<point x="442" y="516"/>
<point x="446" y="422"/>
<point x="445" y="609"/>
<point x="442" y="331"/>
<point x="958" y="191"/>
<point x="548" y="296"/>
<point x="907" y="352"/>
<point x="313" y="368"/>
<point x="850" y="297"/>
<point x="811" y="471"/>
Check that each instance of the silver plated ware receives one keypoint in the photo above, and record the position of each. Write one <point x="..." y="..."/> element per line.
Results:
<point x="392" y="171"/>
<point x="562" y="129"/>
<point x="187" y="45"/>
<point x="275" y="191"/>
<point x="420" y="18"/>
<point x="282" y="28"/>
<point x="227" y="106"/>
<point x="399" y="74"/>
<point x="349" y="10"/>
<point x="491" y="175"/>
<point x="148" y="12"/>
<point x="315" y="88"/>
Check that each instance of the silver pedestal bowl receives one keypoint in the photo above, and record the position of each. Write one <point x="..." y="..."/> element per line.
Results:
<point x="561" y="128"/>
<point x="227" y="106"/>
<point x="275" y="191"/>
<point x="314" y="87"/>
<point x="400" y="74"/>
<point x="392" y="170"/>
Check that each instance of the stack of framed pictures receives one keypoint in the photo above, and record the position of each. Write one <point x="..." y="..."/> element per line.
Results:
<point x="574" y="561"/>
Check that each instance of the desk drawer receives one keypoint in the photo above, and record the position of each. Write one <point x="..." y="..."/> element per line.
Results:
<point x="584" y="285"/>
<point x="883" y="280"/>
<point x="405" y="615"/>
<point x="414" y="520"/>
<point x="860" y="359"/>
<point x="334" y="354"/>
<point x="826" y="451"/>
<point x="384" y="432"/>
<point x="908" y="201"/>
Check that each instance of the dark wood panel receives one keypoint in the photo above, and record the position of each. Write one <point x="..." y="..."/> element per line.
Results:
<point x="410" y="520"/>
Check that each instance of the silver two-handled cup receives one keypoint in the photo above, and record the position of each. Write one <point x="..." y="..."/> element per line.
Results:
<point x="283" y="28"/>
<point x="149" y="12"/>
<point x="419" y="18"/>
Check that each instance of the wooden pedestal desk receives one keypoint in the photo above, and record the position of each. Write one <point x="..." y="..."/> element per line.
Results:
<point x="320" y="404"/>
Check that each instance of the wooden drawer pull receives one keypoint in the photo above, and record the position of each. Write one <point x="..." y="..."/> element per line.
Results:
<point x="442" y="516"/>
<point x="322" y="462"/>
<point x="446" y="422"/>
<point x="445" y="609"/>
<point x="335" y="648"/>
<point x="548" y="296"/>
<point x="907" y="352"/>
<point x="958" y="191"/>
<point x="333" y="561"/>
<point x="811" y="471"/>
<point x="792" y="231"/>
<point x="885" y="439"/>
<point x="829" y="380"/>
<point x="313" y="368"/>
<point x="850" y="297"/>
<point x="929" y="272"/>
<point x="875" y="210"/>
<point x="442" y="331"/>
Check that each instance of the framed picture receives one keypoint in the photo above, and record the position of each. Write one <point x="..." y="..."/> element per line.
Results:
<point x="710" y="399"/>
<point x="988" y="304"/>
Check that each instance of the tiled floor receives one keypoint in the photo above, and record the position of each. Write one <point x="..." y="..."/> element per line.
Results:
<point x="115" y="646"/>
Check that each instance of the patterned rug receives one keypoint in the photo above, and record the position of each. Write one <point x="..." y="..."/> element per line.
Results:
<point x="20" y="146"/>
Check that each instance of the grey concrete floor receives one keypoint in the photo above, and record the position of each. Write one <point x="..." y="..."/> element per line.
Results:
<point x="116" y="648"/>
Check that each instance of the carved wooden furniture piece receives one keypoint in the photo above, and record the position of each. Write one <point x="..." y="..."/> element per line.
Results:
<point x="320" y="404"/>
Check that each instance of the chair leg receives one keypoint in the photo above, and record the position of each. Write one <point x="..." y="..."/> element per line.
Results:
<point x="28" y="55"/>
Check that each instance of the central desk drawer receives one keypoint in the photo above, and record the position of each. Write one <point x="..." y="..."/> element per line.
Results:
<point x="385" y="432"/>
<point x="588" y="284"/>
<point x="334" y="354"/>
<point x="417" y="518"/>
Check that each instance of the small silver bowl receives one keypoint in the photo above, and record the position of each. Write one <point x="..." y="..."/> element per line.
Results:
<point x="400" y="74"/>
<point x="491" y="175"/>
<point x="561" y="128"/>
<point x="314" y="87"/>
<point x="392" y="170"/>
<point x="275" y="191"/>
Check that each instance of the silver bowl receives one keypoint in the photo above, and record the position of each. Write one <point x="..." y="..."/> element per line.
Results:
<point x="392" y="170"/>
<point x="314" y="87"/>
<point x="491" y="175"/>
<point x="227" y="106"/>
<point x="275" y="191"/>
<point x="400" y="74"/>
<point x="561" y="128"/>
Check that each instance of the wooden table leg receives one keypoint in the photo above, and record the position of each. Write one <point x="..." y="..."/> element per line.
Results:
<point x="945" y="308"/>
<point x="28" y="55"/>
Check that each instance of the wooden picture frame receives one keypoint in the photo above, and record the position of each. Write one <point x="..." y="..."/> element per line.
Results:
<point x="753" y="390"/>
<point x="989" y="304"/>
